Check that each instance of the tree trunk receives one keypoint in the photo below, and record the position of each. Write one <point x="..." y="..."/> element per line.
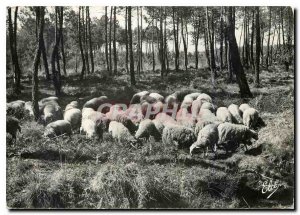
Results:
<point x="221" y="39"/>
<point x="206" y="47"/>
<point x="62" y="45"/>
<point x="35" y="79"/>
<point x="80" y="44"/>
<point x="126" y="39"/>
<point x="132" y="78"/>
<point x="138" y="42"/>
<point x="162" y="53"/>
<point x="281" y="20"/>
<point x="272" y="46"/>
<point x="175" y="40"/>
<point x="184" y="46"/>
<point x="235" y="57"/>
<point x="141" y="44"/>
<point x="252" y="39"/>
<point x="14" y="52"/>
<point x="197" y="43"/>
<point x="165" y="41"/>
<point x="269" y="36"/>
<point x="106" y="43"/>
<point x="90" y="39"/>
<point x="86" y="46"/>
<point x="257" y="52"/>
<point x="211" y="48"/>
<point x="152" y="39"/>
<point x="114" y="44"/>
<point x="110" y="50"/>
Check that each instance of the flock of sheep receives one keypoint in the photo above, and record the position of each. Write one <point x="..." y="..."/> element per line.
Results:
<point x="188" y="120"/>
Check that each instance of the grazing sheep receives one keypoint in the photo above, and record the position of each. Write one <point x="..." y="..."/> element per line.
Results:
<point x="187" y="102"/>
<point x="157" y="96"/>
<point x="51" y="112"/>
<point x="196" y="106"/>
<point x="146" y="129"/>
<point x="96" y="102"/>
<point x="171" y="100"/>
<point x="58" y="128"/>
<point x="250" y="117"/>
<point x="97" y="117"/>
<point x="165" y="119"/>
<point x="181" y="94"/>
<point x="159" y="125"/>
<point x="114" y="111"/>
<point x="147" y="98"/>
<point x="15" y="108"/>
<point x="231" y="135"/>
<point x="224" y="115"/>
<point x="208" y="106"/>
<point x="184" y="118"/>
<point x="122" y="118"/>
<point x="244" y="107"/>
<point x="28" y="108"/>
<point x="193" y="96"/>
<point x="120" y="133"/>
<point x="134" y="112"/>
<point x="181" y="136"/>
<point x="207" y="138"/>
<point x="73" y="116"/>
<point x="204" y="98"/>
<point x="12" y="126"/>
<point x="207" y="115"/>
<point x="49" y="99"/>
<point x="235" y="113"/>
<point x="91" y="128"/>
<point x="202" y="123"/>
<point x="136" y="98"/>
<point x="73" y="104"/>
<point x="157" y="108"/>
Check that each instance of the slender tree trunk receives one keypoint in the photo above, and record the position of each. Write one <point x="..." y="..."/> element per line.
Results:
<point x="35" y="79"/>
<point x="132" y="78"/>
<point x="197" y="43"/>
<point x="106" y="43"/>
<point x="114" y="44"/>
<point x="206" y="47"/>
<point x="152" y="39"/>
<point x="221" y="39"/>
<point x="165" y="43"/>
<point x="162" y="53"/>
<point x="252" y="39"/>
<point x="62" y="46"/>
<point x="184" y="45"/>
<point x="257" y="52"/>
<point x="126" y="39"/>
<point x="138" y="42"/>
<point x="80" y="44"/>
<point x="90" y="39"/>
<point x="281" y="20"/>
<point x="272" y="45"/>
<point x="141" y="37"/>
<point x="211" y="49"/>
<point x="235" y="57"/>
<point x="269" y="37"/>
<point x="110" y="50"/>
<point x="175" y="32"/>
<point x="86" y="46"/>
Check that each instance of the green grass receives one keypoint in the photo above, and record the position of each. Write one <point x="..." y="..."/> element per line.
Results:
<point x="80" y="173"/>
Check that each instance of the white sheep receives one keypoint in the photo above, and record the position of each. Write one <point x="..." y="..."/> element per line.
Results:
<point x="12" y="126"/>
<point x="120" y="133"/>
<point x="244" y="107"/>
<point x="136" y="98"/>
<point x="250" y="117"/>
<point x="134" y="113"/>
<point x="96" y="102"/>
<point x="184" y="118"/>
<point x="58" y="128"/>
<point x="196" y="106"/>
<point x="204" y="98"/>
<point x="157" y="96"/>
<point x="207" y="115"/>
<point x="52" y="112"/>
<point x="73" y="116"/>
<point x="236" y="113"/>
<point x="181" y="136"/>
<point x="171" y="100"/>
<point x="114" y="111"/>
<point x="192" y="95"/>
<point x="15" y="108"/>
<point x="147" y="129"/>
<point x="207" y="138"/>
<point x="165" y="119"/>
<point x="49" y="99"/>
<point x="159" y="125"/>
<point x="73" y="104"/>
<point x="91" y="128"/>
<point x="28" y="108"/>
<point x="231" y="135"/>
<point x="208" y="106"/>
<point x="224" y="115"/>
<point x="123" y="118"/>
<point x="187" y="102"/>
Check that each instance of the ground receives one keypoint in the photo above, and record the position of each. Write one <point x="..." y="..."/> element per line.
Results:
<point x="80" y="173"/>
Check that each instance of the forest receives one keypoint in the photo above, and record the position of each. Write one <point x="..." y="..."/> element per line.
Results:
<point x="236" y="55"/>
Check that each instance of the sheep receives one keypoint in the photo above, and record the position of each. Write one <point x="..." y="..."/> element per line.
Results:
<point x="96" y="117"/>
<point x="147" y="98"/>
<point x="120" y="133"/>
<point x="165" y="119"/>
<point x="236" y="113"/>
<point x="193" y="96"/>
<point x="114" y="111"/>
<point x="181" y="136"/>
<point x="224" y="115"/>
<point x="57" y="128"/>
<point x="51" y="112"/>
<point x="136" y="98"/>
<point x="95" y="102"/>
<point x="157" y="96"/>
<point x="12" y="126"/>
<point x="207" y="138"/>
<point x="207" y="114"/>
<point x="231" y="135"/>
<point x="29" y="108"/>
<point x="244" y="107"/>
<point x="15" y="108"/>
<point x="146" y="129"/>
<point x="205" y="117"/>
<point x="159" y="125"/>
<point x="91" y="128"/>
<point x="134" y="113"/>
<point x="181" y="94"/>
<point x="73" y="116"/>
<point x="157" y="107"/>
<point x="184" y="118"/>
<point x="122" y="118"/>
<point x="187" y="102"/>
<point x="171" y="100"/>
<point x="73" y="104"/>
<point x="196" y="106"/>
<point x="48" y="99"/>
<point x="250" y="117"/>
<point x="208" y="106"/>
<point x="204" y="98"/>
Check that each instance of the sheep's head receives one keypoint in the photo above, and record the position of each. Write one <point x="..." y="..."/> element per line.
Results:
<point x="48" y="118"/>
<point x="49" y="132"/>
<point x="197" y="147"/>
